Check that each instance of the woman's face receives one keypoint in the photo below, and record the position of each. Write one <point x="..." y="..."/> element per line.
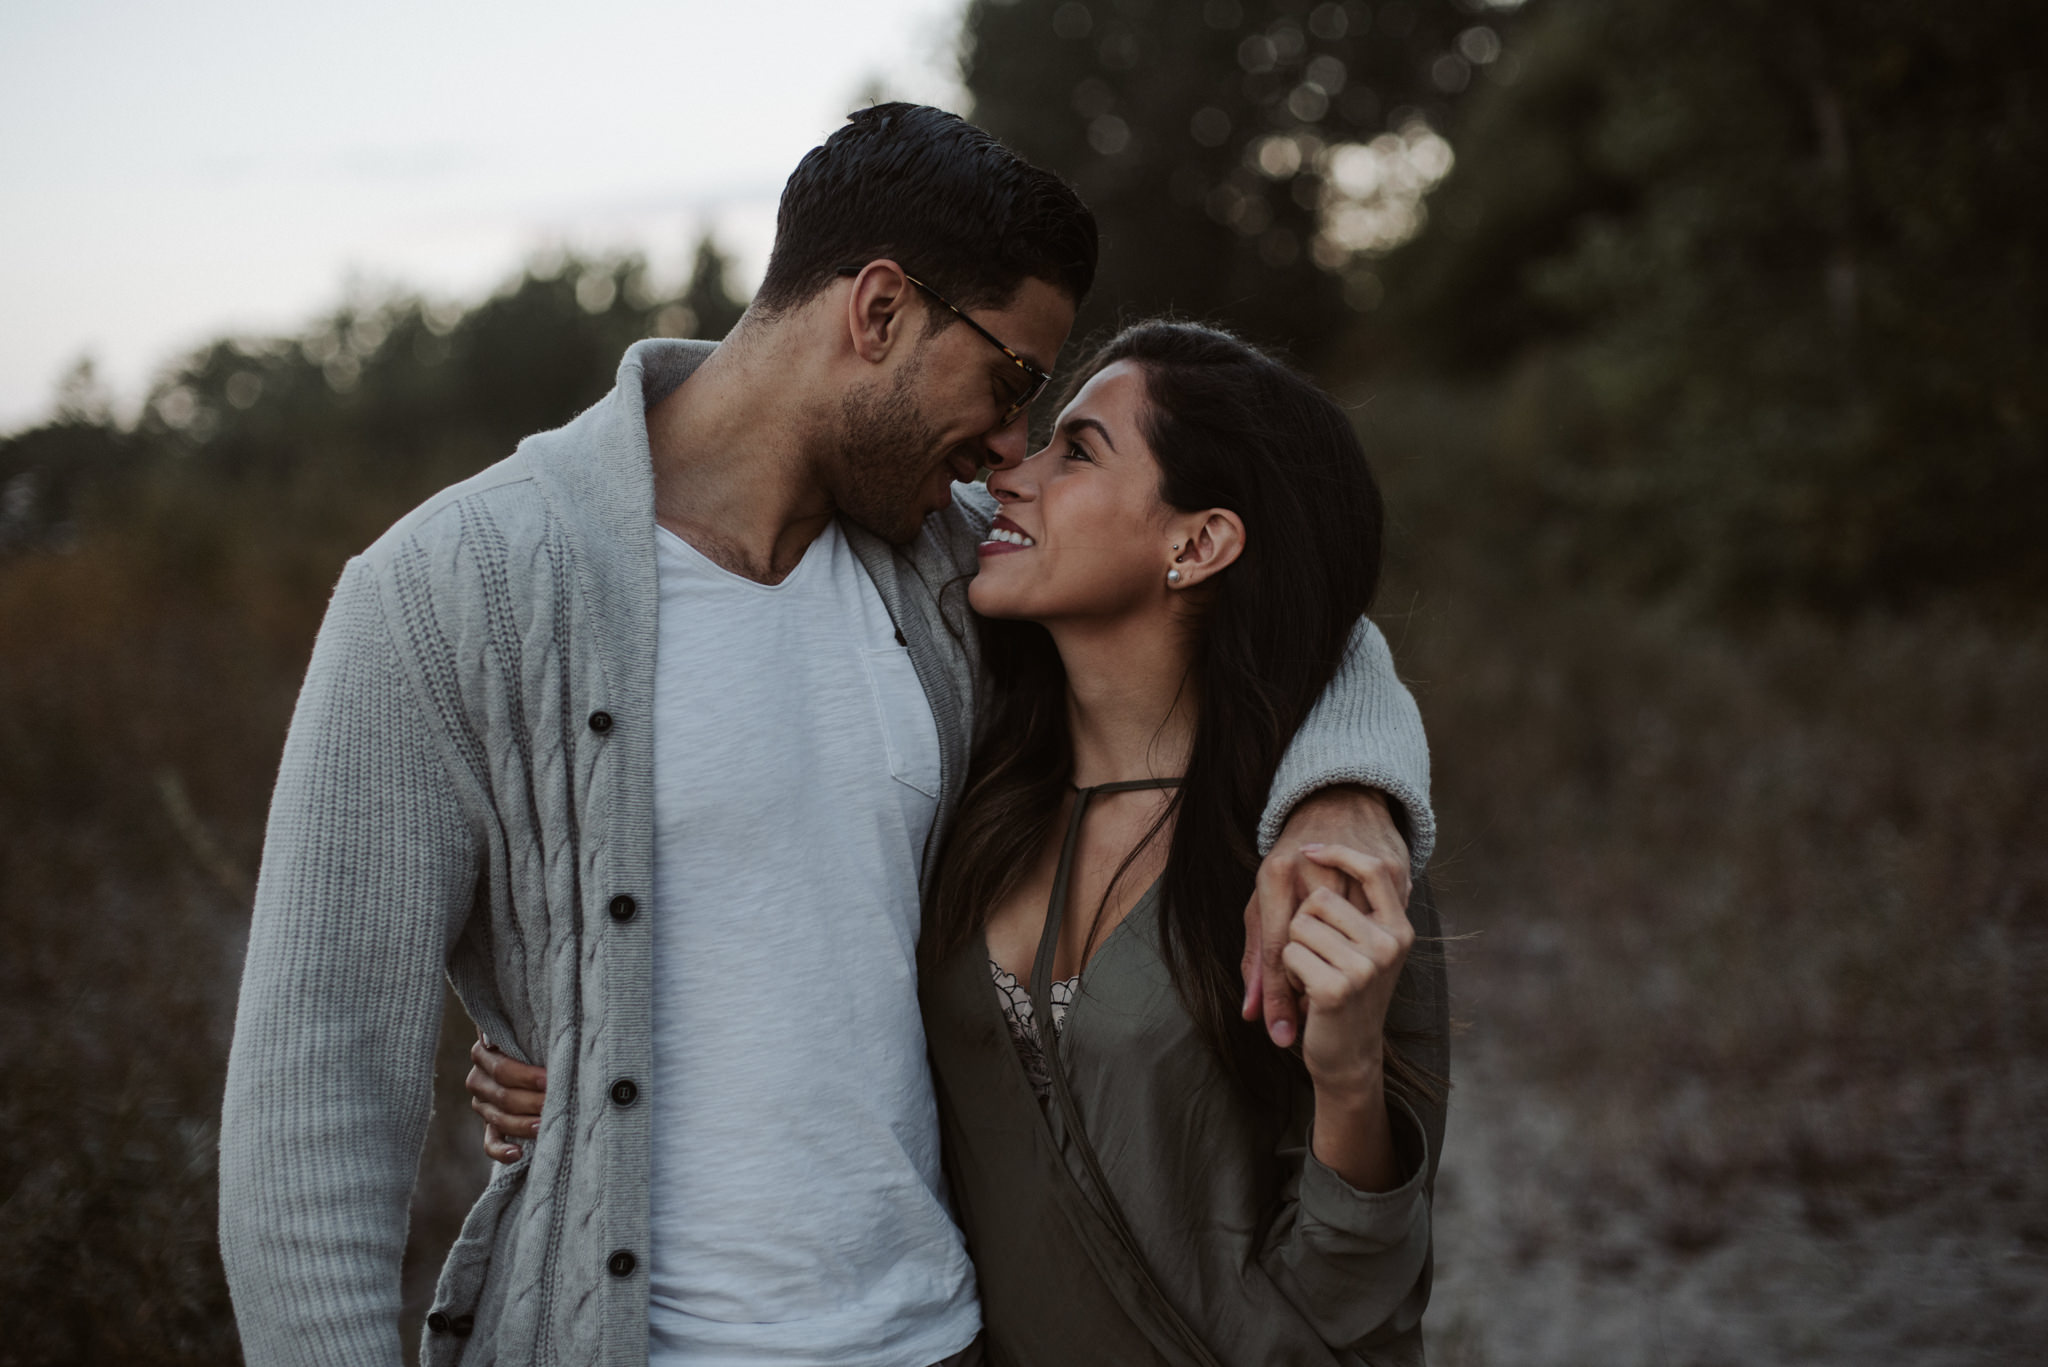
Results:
<point x="1083" y="532"/>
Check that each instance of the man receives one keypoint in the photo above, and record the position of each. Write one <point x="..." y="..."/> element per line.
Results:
<point x="647" y="736"/>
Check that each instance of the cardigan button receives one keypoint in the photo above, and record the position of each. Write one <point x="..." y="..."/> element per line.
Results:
<point x="624" y="1092"/>
<point x="600" y="722"/>
<point x="623" y="907"/>
<point x="437" y="1323"/>
<point x="621" y="1264"/>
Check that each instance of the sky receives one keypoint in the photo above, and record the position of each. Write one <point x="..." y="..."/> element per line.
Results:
<point x="174" y="173"/>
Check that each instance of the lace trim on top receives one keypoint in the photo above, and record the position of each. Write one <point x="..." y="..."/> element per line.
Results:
<point x="1017" y="1014"/>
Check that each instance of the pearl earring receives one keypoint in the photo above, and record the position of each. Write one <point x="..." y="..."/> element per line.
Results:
<point x="1173" y="576"/>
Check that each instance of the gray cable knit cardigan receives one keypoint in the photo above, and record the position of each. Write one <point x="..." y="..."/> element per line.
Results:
<point x="467" y="787"/>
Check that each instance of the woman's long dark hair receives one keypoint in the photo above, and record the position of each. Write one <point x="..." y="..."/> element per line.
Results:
<point x="1232" y="428"/>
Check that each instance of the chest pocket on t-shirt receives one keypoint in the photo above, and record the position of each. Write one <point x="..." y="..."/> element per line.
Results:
<point x="907" y="726"/>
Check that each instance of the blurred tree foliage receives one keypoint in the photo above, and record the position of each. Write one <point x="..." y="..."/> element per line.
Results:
<point x="711" y="309"/>
<point x="1227" y="146"/>
<point x="377" y="388"/>
<point x="1769" y="283"/>
<point x="1764" y="285"/>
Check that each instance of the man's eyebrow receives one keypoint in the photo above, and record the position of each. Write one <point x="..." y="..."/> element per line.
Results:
<point x="1073" y="425"/>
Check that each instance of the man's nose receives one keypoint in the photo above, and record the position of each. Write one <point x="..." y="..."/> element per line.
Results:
<point x="1006" y="447"/>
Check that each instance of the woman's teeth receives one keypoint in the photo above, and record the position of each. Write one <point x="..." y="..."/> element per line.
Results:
<point x="1013" y="538"/>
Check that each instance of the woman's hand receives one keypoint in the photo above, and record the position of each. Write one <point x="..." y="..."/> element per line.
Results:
<point x="508" y="1095"/>
<point x="1343" y="814"/>
<point x="1347" y="961"/>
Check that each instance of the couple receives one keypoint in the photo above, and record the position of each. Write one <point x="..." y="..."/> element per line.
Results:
<point x="656" y="737"/>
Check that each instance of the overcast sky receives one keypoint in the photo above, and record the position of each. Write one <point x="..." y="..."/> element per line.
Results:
<point x="169" y="173"/>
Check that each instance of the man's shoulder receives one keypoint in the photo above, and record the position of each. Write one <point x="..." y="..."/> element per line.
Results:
<point x="500" y="503"/>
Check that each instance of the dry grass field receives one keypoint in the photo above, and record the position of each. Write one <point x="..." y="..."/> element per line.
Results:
<point x="1754" y="1059"/>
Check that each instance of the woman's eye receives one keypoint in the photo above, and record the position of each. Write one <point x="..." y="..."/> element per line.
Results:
<point x="1075" y="451"/>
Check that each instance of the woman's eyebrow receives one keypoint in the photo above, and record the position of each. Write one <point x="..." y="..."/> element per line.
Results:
<point x="1073" y="425"/>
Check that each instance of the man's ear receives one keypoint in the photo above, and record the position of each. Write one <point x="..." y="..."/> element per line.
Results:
<point x="1209" y="544"/>
<point x="878" y="312"/>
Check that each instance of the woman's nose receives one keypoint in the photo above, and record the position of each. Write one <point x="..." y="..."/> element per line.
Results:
<point x="1012" y="482"/>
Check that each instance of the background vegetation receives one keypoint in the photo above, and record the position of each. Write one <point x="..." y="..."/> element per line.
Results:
<point x="1700" y="350"/>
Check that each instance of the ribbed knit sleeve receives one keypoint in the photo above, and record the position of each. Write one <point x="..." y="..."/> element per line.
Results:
<point x="1366" y="730"/>
<point x="368" y="868"/>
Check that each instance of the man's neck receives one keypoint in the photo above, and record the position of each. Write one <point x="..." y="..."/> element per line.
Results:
<point x="1131" y="701"/>
<point x="733" y="475"/>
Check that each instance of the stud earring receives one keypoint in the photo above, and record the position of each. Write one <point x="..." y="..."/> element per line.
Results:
<point x="1173" y="576"/>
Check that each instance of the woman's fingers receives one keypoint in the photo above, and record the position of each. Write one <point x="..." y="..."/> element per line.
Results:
<point x="506" y="1071"/>
<point x="1383" y="945"/>
<point x="511" y="1100"/>
<point x="1319" y="979"/>
<point x="1330" y="944"/>
<point x="1338" y="911"/>
<point x="1383" y="884"/>
<point x="497" y="1148"/>
<point x="508" y="1095"/>
<point x="1355" y="966"/>
<point x="1385" y="902"/>
<point x="512" y="1126"/>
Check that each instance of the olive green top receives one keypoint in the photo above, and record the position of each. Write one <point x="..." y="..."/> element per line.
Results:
<point x="1247" y="1244"/>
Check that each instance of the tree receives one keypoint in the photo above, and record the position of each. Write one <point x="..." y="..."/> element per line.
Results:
<point x="1774" y="279"/>
<point x="706" y="307"/>
<point x="1245" y="158"/>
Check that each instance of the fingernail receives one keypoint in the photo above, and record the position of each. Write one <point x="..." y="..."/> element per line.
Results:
<point x="1311" y="849"/>
<point x="516" y="1152"/>
<point x="1283" y="1034"/>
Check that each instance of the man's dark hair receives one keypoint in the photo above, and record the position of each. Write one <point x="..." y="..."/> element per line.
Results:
<point x="939" y="197"/>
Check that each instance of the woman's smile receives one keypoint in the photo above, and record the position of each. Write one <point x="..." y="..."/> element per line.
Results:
<point x="1005" y="536"/>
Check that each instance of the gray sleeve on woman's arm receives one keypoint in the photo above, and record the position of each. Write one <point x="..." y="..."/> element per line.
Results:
<point x="368" y="866"/>
<point x="1365" y="729"/>
<point x="1356" y="1264"/>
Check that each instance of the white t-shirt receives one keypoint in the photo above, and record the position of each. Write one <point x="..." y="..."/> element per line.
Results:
<point x="799" y="1214"/>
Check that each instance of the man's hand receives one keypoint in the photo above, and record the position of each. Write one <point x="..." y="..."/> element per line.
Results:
<point x="1349" y="816"/>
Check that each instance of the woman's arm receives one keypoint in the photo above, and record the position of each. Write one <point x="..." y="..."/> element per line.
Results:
<point x="1351" y="1245"/>
<point x="1347" y="959"/>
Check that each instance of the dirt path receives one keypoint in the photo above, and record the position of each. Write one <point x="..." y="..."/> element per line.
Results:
<point x="1535" y="1267"/>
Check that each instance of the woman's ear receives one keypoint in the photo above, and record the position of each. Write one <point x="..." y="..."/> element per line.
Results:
<point x="1208" y="544"/>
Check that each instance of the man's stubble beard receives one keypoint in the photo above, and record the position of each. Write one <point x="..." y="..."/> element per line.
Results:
<point x="884" y="452"/>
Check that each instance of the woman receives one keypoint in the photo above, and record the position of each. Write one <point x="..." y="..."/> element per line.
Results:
<point x="1167" y="589"/>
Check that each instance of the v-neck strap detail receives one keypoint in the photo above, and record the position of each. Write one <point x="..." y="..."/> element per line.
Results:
<point x="1056" y="906"/>
<point x="1049" y="1041"/>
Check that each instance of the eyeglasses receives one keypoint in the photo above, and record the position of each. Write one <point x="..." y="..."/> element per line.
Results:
<point x="1035" y="380"/>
